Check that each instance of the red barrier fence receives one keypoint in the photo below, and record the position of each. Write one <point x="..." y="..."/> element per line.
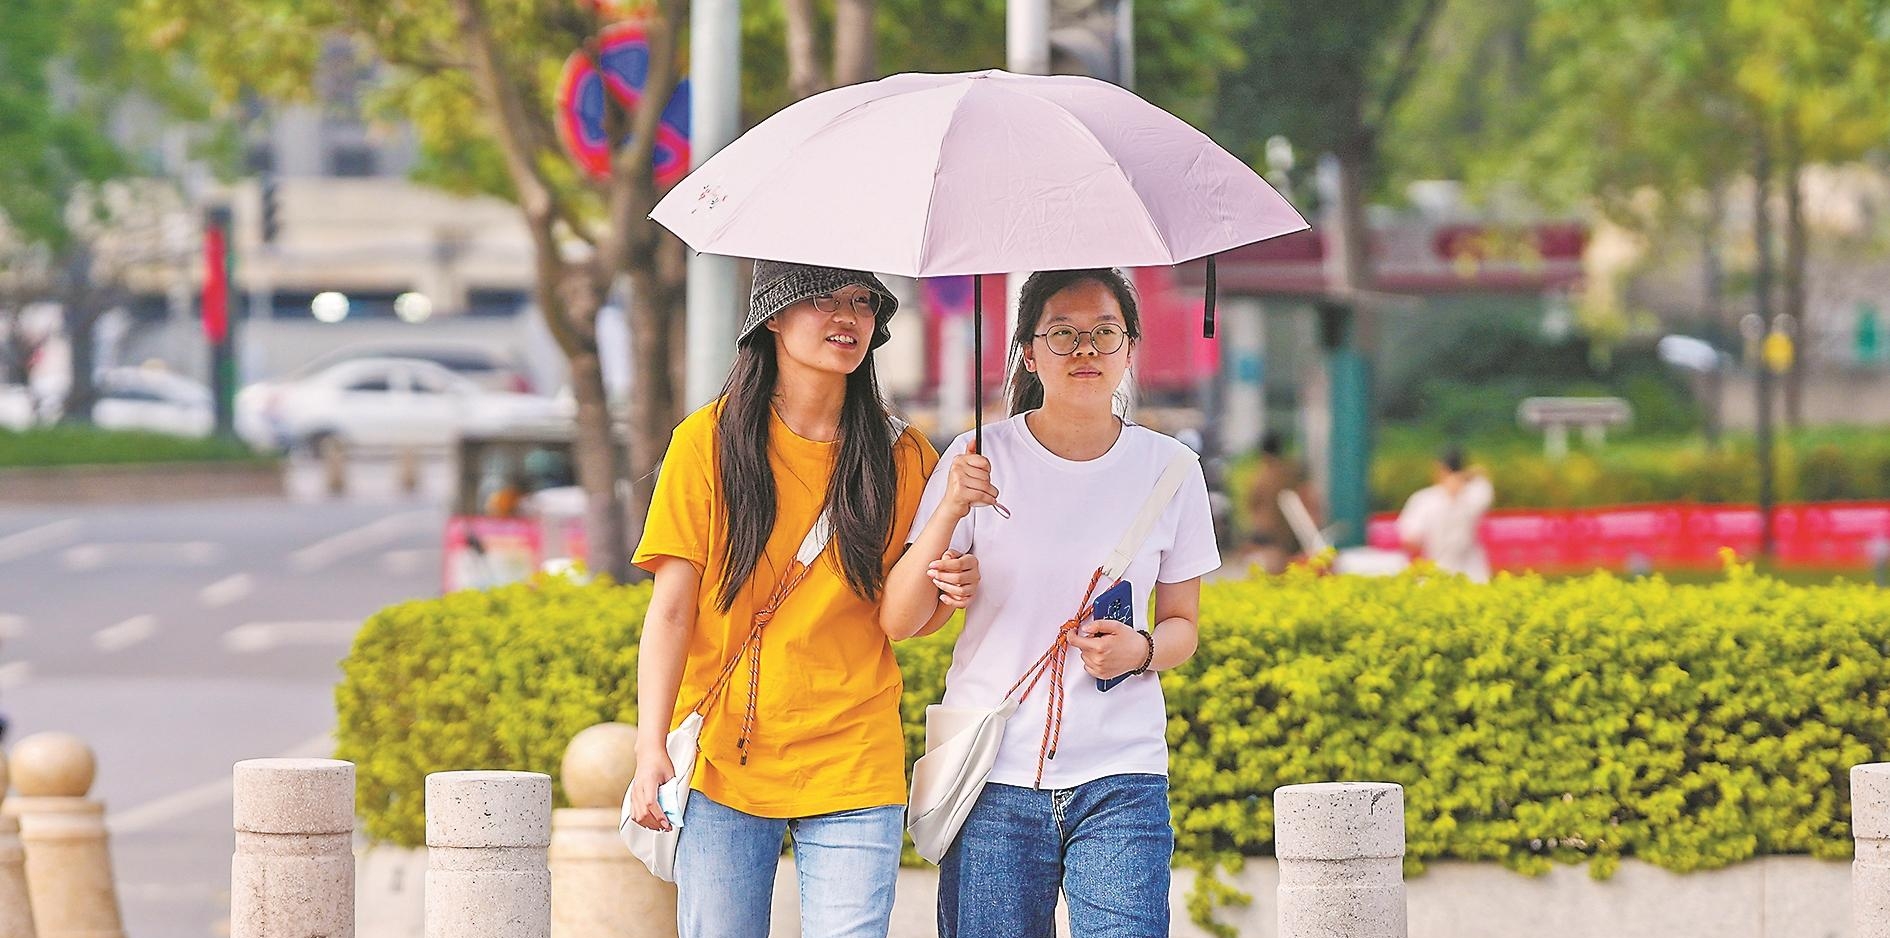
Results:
<point x="1826" y="535"/>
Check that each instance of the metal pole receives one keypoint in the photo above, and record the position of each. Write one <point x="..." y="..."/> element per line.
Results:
<point x="1762" y="290"/>
<point x="714" y="310"/>
<point x="1125" y="43"/>
<point x="1026" y="52"/>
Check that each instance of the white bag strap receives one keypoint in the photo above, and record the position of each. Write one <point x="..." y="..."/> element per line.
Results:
<point x="1158" y="498"/>
<point x="822" y="531"/>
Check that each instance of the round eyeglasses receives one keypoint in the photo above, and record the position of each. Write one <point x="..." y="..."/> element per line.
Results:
<point x="864" y="304"/>
<point x="1106" y="339"/>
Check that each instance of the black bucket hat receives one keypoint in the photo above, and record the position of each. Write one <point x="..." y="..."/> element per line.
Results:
<point x="779" y="285"/>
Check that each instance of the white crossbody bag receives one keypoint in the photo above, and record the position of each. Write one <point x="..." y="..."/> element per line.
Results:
<point x="961" y="743"/>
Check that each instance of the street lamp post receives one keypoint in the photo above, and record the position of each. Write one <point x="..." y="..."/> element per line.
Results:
<point x="712" y="302"/>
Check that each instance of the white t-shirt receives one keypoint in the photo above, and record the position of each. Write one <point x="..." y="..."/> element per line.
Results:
<point x="1066" y="518"/>
<point x="1444" y="526"/>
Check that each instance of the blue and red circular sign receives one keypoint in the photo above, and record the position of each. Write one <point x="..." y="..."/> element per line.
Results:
<point x="620" y="70"/>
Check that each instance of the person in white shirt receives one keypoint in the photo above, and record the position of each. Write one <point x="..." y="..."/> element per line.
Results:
<point x="1077" y="801"/>
<point x="1440" y="522"/>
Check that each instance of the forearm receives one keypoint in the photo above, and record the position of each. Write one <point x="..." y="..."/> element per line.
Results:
<point x="1176" y="639"/>
<point x="909" y="605"/>
<point x="660" y="658"/>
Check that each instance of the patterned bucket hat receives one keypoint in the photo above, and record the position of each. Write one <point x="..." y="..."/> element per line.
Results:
<point x="779" y="285"/>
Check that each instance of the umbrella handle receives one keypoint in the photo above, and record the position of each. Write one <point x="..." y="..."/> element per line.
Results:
<point x="977" y="361"/>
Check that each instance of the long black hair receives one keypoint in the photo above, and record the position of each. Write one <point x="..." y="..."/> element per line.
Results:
<point x="860" y="494"/>
<point x="1026" y="389"/>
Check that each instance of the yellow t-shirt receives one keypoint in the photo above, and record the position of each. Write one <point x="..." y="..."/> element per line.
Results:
<point x="827" y="733"/>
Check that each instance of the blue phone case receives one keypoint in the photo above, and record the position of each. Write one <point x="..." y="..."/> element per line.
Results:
<point x="1117" y="604"/>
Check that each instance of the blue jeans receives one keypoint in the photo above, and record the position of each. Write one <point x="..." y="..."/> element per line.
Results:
<point x="726" y="861"/>
<point x="1106" y="844"/>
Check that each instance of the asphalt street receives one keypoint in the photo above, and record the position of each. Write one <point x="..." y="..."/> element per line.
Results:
<point x="178" y="639"/>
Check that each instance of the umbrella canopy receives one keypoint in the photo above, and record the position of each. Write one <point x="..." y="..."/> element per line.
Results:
<point x="974" y="173"/>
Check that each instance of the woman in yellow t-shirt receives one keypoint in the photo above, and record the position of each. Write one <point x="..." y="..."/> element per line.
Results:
<point x="799" y="691"/>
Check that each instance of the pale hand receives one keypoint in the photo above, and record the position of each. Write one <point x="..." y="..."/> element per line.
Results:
<point x="956" y="576"/>
<point x="969" y="484"/>
<point x="653" y="769"/>
<point x="1110" y="649"/>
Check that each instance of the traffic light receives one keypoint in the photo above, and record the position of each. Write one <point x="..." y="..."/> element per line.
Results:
<point x="270" y="214"/>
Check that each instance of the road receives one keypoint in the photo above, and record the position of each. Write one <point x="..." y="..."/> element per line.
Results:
<point x="178" y="639"/>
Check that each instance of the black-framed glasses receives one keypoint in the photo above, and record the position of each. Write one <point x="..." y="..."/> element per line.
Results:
<point x="864" y="304"/>
<point x="1106" y="339"/>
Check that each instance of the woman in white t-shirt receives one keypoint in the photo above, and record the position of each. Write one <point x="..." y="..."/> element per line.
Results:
<point x="1078" y="798"/>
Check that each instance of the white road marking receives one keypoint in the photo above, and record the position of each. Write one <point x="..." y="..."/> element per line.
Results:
<point x="15" y="673"/>
<point x="125" y="634"/>
<point x="208" y="795"/>
<point x="33" y="540"/>
<point x="261" y="636"/>
<point x="85" y="557"/>
<point x="328" y="550"/>
<point x="12" y="626"/>
<point x="228" y="590"/>
<point x="407" y="562"/>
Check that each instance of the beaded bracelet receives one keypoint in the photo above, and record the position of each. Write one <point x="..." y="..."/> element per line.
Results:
<point x="1151" y="653"/>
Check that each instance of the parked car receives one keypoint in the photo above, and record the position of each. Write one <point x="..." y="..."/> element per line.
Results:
<point x="157" y="401"/>
<point x="16" y="407"/>
<point x="376" y="402"/>
<point x="489" y="369"/>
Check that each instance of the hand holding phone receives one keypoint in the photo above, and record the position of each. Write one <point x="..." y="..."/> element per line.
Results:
<point x="1116" y="604"/>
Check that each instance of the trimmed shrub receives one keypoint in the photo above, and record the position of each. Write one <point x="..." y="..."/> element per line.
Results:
<point x="1531" y="721"/>
<point x="500" y="679"/>
<point x="79" y="445"/>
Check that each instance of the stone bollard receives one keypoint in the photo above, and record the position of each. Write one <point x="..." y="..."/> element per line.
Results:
<point x="407" y="469"/>
<point x="1341" y="849"/>
<point x="334" y="458"/>
<point x="486" y="839"/>
<point x="16" y="910"/>
<point x="597" y="887"/>
<point x="68" y="862"/>
<point x="1870" y="868"/>
<point x="293" y="872"/>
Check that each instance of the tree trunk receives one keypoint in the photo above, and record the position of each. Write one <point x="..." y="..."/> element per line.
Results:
<point x="1794" y="277"/>
<point x="598" y="459"/>
<point x="854" y="50"/>
<point x="803" y="53"/>
<point x="653" y="316"/>
<point x="79" y="315"/>
<point x="597" y="452"/>
<point x="1713" y="264"/>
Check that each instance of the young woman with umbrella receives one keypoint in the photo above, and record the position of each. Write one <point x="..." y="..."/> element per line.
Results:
<point x="784" y="658"/>
<point x="1077" y="800"/>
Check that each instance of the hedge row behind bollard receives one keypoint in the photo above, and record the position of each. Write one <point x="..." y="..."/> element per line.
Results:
<point x="68" y="860"/>
<point x="486" y="838"/>
<point x="16" y="909"/>
<point x="1341" y="851"/>
<point x="293" y="872"/>
<point x="597" y="887"/>
<point x="1870" y="866"/>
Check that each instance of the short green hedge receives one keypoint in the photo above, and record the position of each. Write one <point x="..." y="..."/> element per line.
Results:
<point x="1530" y="721"/>
<point x="78" y="445"/>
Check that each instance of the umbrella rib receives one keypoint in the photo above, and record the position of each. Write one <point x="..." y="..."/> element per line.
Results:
<point x="931" y="195"/>
<point x="1111" y="157"/>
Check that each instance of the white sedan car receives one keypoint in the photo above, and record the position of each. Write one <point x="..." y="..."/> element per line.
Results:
<point x="157" y="401"/>
<point x="380" y="402"/>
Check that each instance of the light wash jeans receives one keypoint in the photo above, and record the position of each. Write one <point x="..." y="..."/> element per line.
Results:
<point x="1106" y="845"/>
<point x="726" y="860"/>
